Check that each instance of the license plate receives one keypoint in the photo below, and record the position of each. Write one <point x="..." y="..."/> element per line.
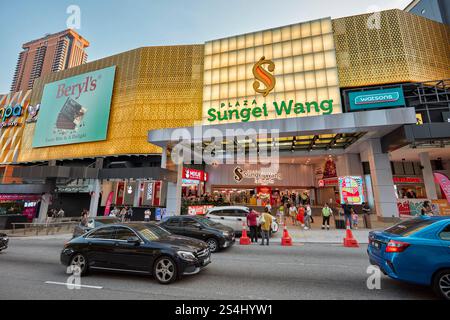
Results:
<point x="376" y="244"/>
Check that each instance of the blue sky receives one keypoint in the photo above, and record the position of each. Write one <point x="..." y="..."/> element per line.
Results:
<point x="114" y="26"/>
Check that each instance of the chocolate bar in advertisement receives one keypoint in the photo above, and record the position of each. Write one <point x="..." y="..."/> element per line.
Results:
<point x="70" y="115"/>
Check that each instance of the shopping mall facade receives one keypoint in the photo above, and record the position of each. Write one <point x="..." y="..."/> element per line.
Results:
<point x="355" y="108"/>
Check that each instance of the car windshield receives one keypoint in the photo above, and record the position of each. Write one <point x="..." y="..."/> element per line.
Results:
<point x="206" y="221"/>
<point x="408" y="227"/>
<point x="152" y="232"/>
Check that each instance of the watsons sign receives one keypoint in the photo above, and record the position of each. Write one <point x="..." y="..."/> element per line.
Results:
<point x="247" y="110"/>
<point x="392" y="97"/>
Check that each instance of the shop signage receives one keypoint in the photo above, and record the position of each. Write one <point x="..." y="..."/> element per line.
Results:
<point x="351" y="190"/>
<point x="400" y="180"/>
<point x="8" y="115"/>
<point x="75" y="110"/>
<point x="264" y="76"/>
<point x="193" y="174"/>
<point x="371" y="99"/>
<point x="332" y="182"/>
<point x="444" y="182"/>
<point x="32" y="113"/>
<point x="246" y="110"/>
<point x="260" y="176"/>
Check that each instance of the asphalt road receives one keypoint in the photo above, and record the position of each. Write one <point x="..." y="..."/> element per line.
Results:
<point x="310" y="271"/>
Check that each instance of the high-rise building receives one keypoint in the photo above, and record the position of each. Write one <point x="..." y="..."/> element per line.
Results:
<point x="437" y="10"/>
<point x="52" y="53"/>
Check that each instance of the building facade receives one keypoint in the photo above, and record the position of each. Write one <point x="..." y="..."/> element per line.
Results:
<point x="52" y="53"/>
<point x="437" y="10"/>
<point x="353" y="112"/>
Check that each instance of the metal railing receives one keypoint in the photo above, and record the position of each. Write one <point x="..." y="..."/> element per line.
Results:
<point x="51" y="227"/>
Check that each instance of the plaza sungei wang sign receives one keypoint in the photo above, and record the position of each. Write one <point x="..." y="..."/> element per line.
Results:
<point x="259" y="176"/>
<point x="75" y="109"/>
<point x="281" y="73"/>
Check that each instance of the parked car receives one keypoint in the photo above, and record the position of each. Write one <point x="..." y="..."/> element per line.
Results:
<point x="4" y="240"/>
<point x="92" y="224"/>
<point x="137" y="248"/>
<point x="216" y="235"/>
<point x="234" y="217"/>
<point x="416" y="251"/>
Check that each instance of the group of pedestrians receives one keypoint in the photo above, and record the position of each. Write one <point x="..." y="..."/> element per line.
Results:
<point x="255" y="219"/>
<point x="54" y="214"/>
<point x="125" y="214"/>
<point x="299" y="215"/>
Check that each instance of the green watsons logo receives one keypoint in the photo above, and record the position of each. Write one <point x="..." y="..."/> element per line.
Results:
<point x="254" y="112"/>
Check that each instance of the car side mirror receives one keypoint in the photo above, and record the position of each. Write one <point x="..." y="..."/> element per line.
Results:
<point x="134" y="240"/>
<point x="199" y="226"/>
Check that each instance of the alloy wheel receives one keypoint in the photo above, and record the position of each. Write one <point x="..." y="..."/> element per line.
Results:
<point x="165" y="270"/>
<point x="212" y="244"/>
<point x="444" y="285"/>
<point x="79" y="261"/>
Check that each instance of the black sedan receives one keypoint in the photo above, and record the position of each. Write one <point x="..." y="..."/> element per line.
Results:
<point x="138" y="248"/>
<point x="216" y="235"/>
<point x="92" y="224"/>
<point x="3" y="241"/>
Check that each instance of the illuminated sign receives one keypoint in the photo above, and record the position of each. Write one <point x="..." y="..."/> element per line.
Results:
<point x="399" y="180"/>
<point x="264" y="76"/>
<point x="351" y="190"/>
<point x="332" y="182"/>
<point x="376" y="99"/>
<point x="75" y="109"/>
<point x="260" y="176"/>
<point x="195" y="175"/>
<point x="8" y="115"/>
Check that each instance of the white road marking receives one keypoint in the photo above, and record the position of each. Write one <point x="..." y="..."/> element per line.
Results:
<point x="74" y="285"/>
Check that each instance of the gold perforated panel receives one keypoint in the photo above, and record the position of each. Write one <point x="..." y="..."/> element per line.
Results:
<point x="154" y="88"/>
<point x="10" y="137"/>
<point x="389" y="47"/>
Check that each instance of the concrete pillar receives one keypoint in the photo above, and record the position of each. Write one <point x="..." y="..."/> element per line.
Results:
<point x="349" y="164"/>
<point x="164" y="158"/>
<point x="173" y="196"/>
<point x="382" y="181"/>
<point x="137" y="194"/>
<point x="428" y="177"/>
<point x="45" y="202"/>
<point x="96" y="188"/>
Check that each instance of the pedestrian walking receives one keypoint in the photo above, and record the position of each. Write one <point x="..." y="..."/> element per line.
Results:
<point x="326" y="213"/>
<point x="122" y="214"/>
<point x="252" y="223"/>
<point x="147" y="215"/>
<point x="293" y="214"/>
<point x="347" y="213"/>
<point x="84" y="218"/>
<point x="308" y="216"/>
<point x="266" y="225"/>
<point x="61" y="213"/>
<point x="301" y="215"/>
<point x="129" y="214"/>
<point x="355" y="218"/>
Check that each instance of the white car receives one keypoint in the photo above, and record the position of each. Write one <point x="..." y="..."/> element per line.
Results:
<point x="234" y="217"/>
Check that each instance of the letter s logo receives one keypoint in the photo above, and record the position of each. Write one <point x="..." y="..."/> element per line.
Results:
<point x="264" y="76"/>
<point x="238" y="174"/>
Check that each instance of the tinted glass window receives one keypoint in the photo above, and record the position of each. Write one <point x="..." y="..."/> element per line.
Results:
<point x="206" y="221"/>
<point x="103" y="233"/>
<point x="124" y="234"/>
<point x="173" y="222"/>
<point x="409" y="227"/>
<point x="240" y="213"/>
<point x="228" y="213"/>
<point x="216" y="213"/>
<point x="189" y="223"/>
<point x="445" y="234"/>
<point x="152" y="232"/>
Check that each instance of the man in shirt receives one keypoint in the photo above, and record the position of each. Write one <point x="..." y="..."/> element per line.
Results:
<point x="266" y="225"/>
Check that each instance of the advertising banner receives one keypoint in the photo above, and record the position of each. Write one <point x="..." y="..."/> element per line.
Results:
<point x="75" y="110"/>
<point x="108" y="204"/>
<point x="198" y="210"/>
<point x="444" y="182"/>
<point x="351" y="190"/>
<point x="443" y="207"/>
<point x="372" y="99"/>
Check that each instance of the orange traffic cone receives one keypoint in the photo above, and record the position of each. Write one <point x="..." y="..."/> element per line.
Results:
<point x="286" y="240"/>
<point x="245" y="240"/>
<point x="349" y="241"/>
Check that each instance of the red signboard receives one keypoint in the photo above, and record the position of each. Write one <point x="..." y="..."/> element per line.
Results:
<point x="198" y="210"/>
<point x="332" y="182"/>
<point x="157" y="193"/>
<point x="400" y="180"/>
<point x="16" y="197"/>
<point x="193" y="174"/>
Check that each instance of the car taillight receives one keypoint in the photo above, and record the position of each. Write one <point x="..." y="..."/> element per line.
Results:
<point x="396" y="246"/>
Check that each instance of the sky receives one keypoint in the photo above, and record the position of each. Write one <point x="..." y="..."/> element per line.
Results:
<point x="114" y="26"/>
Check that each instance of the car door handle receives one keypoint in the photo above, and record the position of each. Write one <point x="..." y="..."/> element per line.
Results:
<point x="222" y="218"/>
<point x="239" y="219"/>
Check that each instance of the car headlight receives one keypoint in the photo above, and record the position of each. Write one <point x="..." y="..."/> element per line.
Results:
<point x="5" y="239"/>
<point x="186" y="255"/>
<point x="225" y="233"/>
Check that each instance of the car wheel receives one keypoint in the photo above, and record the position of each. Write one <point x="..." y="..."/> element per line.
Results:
<point x="441" y="284"/>
<point x="213" y="245"/>
<point x="165" y="270"/>
<point x="79" y="264"/>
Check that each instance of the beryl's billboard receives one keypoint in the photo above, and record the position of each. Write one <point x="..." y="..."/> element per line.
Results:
<point x="371" y="99"/>
<point x="75" y="110"/>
